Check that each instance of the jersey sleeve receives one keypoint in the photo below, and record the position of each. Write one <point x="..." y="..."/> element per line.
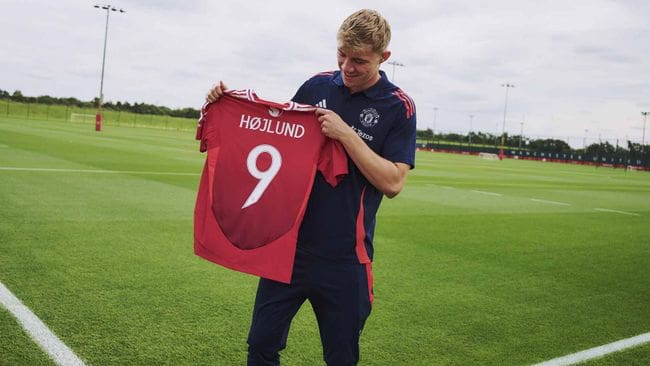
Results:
<point x="207" y="129"/>
<point x="333" y="162"/>
<point x="399" y="146"/>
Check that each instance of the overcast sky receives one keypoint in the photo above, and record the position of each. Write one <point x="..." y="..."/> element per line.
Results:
<point x="576" y="65"/>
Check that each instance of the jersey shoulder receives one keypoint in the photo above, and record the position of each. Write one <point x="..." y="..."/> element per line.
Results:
<point x="314" y="87"/>
<point x="322" y="78"/>
<point x="403" y="99"/>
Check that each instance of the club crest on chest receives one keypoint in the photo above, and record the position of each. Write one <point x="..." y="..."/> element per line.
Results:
<point x="369" y="117"/>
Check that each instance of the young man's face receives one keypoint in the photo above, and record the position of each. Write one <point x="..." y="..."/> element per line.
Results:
<point x="360" y="67"/>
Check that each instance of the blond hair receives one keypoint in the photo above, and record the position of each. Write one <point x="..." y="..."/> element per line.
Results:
<point x="365" y="27"/>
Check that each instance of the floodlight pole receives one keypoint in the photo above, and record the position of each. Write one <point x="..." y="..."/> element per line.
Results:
<point x="394" y="63"/>
<point x="471" y="119"/>
<point x="645" y="115"/>
<point x="100" y="101"/>
<point x="435" y="117"/>
<point x="503" y="127"/>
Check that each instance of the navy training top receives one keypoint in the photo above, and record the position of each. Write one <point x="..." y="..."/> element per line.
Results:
<point x="339" y="221"/>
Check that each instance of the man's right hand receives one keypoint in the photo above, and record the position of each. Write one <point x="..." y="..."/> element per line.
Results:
<point x="216" y="92"/>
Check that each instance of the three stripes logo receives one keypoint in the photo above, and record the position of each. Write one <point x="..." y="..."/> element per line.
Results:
<point x="322" y="104"/>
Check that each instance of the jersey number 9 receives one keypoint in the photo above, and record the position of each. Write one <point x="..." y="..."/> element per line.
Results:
<point x="265" y="177"/>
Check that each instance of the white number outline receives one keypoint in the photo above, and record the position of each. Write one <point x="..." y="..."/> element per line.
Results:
<point x="265" y="177"/>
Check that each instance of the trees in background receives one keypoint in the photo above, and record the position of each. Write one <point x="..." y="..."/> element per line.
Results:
<point x="477" y="138"/>
<point x="140" y="108"/>
<point x="550" y="145"/>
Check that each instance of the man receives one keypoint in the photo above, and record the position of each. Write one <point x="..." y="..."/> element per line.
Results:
<point x="375" y="122"/>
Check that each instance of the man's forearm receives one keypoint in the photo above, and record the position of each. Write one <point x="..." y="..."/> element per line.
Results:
<point x="388" y="177"/>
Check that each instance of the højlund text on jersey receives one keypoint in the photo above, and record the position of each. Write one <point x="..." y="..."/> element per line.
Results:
<point x="271" y="126"/>
<point x="289" y="129"/>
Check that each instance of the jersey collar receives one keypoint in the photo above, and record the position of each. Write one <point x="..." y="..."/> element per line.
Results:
<point x="375" y="91"/>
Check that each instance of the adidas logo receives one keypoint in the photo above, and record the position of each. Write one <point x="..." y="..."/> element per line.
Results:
<point x="322" y="104"/>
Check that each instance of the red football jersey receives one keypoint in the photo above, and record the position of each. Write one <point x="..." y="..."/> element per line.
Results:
<point x="261" y="162"/>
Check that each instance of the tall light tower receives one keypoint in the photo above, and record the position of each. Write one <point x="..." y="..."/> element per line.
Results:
<point x="471" y="119"/>
<point x="100" y="102"/>
<point x="645" y="116"/>
<point x="503" y="127"/>
<point x="435" y="117"/>
<point x="394" y="63"/>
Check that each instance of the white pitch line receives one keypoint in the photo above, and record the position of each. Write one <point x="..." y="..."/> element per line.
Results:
<point x="487" y="193"/>
<point x="617" y="211"/>
<point x="550" y="202"/>
<point x="437" y="186"/>
<point x="100" y="171"/>
<point x="597" y="351"/>
<point x="39" y="332"/>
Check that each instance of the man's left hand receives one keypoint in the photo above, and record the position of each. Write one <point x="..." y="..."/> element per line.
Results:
<point x="332" y="125"/>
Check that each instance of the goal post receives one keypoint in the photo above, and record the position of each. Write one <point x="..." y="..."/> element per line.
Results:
<point x="488" y="156"/>
<point x="82" y="118"/>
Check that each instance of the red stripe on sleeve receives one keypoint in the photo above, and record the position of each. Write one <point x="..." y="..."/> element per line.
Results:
<point x="408" y="102"/>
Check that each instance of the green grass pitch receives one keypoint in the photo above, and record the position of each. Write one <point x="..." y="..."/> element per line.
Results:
<point x="477" y="262"/>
